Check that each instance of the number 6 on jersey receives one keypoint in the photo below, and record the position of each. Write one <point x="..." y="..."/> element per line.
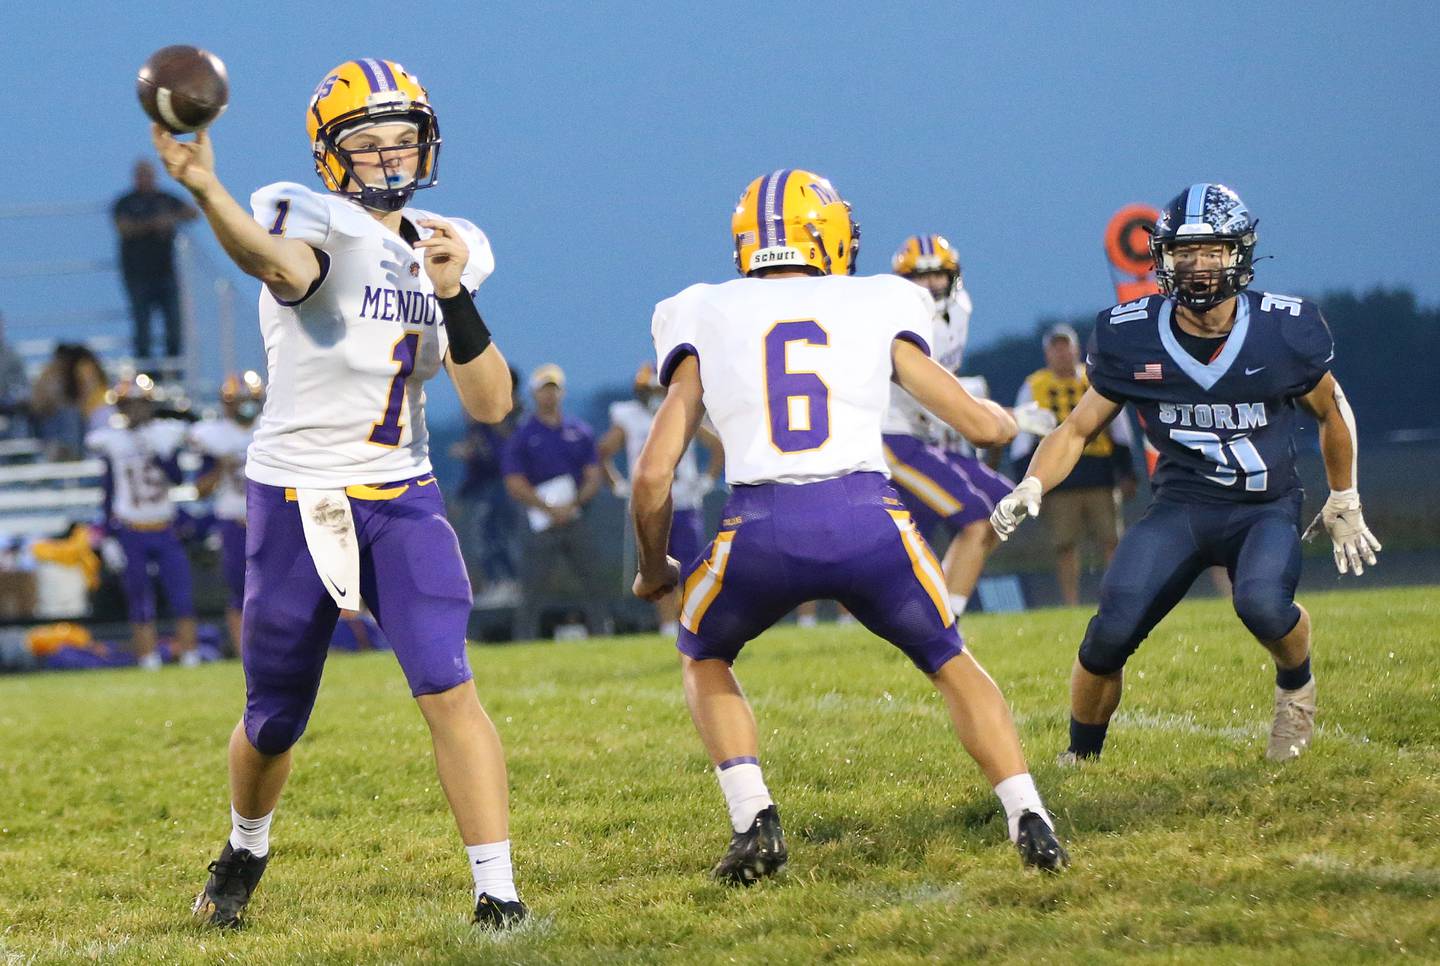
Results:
<point x="798" y="403"/>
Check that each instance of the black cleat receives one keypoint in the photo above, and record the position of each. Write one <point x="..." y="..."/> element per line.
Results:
<point x="1038" y="845"/>
<point x="233" y="878"/>
<point x="497" y="914"/>
<point x="756" y="852"/>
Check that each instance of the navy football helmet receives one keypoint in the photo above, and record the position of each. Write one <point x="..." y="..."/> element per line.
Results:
<point x="1204" y="213"/>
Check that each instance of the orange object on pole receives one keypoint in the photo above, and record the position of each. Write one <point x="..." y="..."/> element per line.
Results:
<point x="1127" y="246"/>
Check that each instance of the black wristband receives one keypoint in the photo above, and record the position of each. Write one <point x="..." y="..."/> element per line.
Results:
<point x="468" y="335"/>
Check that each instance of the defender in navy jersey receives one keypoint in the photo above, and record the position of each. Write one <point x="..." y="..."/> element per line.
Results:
<point x="1216" y="373"/>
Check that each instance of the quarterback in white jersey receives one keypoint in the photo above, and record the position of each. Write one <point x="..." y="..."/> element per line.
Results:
<point x="794" y="363"/>
<point x="630" y="421"/>
<point x="141" y="455"/>
<point x="364" y="299"/>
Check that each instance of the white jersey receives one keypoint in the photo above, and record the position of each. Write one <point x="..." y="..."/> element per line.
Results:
<point x="796" y="370"/>
<point x="952" y="330"/>
<point x="347" y="364"/>
<point x="634" y="419"/>
<point x="139" y="486"/>
<point x="225" y="441"/>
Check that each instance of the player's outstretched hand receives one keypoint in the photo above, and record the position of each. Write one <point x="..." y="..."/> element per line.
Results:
<point x="192" y="163"/>
<point x="1015" y="506"/>
<point x="1354" y="544"/>
<point x="445" y="256"/>
<point x="1034" y="419"/>
<point x="657" y="587"/>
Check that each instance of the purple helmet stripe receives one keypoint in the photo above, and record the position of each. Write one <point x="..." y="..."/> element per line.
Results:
<point x="777" y="188"/>
<point x="760" y="221"/>
<point x="765" y="209"/>
<point x="389" y="75"/>
<point x="925" y="247"/>
<point x="370" y="77"/>
<point x="372" y="71"/>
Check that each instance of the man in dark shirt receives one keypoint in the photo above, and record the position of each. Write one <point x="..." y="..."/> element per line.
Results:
<point x="552" y="469"/>
<point x="146" y="220"/>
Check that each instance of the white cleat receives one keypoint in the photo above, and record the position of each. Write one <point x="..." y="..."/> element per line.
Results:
<point x="150" y="662"/>
<point x="1294" y="723"/>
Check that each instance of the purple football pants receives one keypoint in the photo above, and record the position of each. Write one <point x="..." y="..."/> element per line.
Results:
<point x="942" y="487"/>
<point x="162" y="547"/>
<point x="849" y="539"/>
<point x="232" y="561"/>
<point x="412" y="577"/>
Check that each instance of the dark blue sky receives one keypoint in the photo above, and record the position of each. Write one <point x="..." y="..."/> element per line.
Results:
<point x="602" y="146"/>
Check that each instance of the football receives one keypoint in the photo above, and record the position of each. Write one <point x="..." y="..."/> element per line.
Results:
<point x="183" y="88"/>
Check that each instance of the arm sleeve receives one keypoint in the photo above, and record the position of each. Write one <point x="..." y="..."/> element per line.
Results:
<point x="1104" y="365"/>
<point x="674" y="331"/>
<point x="1023" y="443"/>
<point x="917" y="319"/>
<point x="1309" y="338"/>
<point x="294" y="211"/>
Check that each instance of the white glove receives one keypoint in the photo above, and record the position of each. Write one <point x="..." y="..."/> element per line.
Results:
<point x="1034" y="419"/>
<point x="1355" y="545"/>
<point x="704" y="484"/>
<point x="621" y="489"/>
<point x="1015" y="506"/>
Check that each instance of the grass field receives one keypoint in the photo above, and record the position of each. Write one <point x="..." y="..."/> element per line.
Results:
<point x="1187" y="845"/>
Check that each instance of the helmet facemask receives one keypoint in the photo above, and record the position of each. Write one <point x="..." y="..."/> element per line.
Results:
<point x="1203" y="289"/>
<point x="338" y="165"/>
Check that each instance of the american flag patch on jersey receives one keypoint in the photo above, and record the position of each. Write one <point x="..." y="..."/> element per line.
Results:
<point x="1151" y="372"/>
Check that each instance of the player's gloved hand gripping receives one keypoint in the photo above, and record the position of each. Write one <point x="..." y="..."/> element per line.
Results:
<point x="1015" y="506"/>
<point x="1354" y="544"/>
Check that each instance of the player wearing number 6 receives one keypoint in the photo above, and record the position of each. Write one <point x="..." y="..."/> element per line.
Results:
<point x="794" y="364"/>
<point x="1216" y="373"/>
<point x="364" y="299"/>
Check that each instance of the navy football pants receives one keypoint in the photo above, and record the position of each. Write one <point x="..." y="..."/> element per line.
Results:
<point x="1160" y="557"/>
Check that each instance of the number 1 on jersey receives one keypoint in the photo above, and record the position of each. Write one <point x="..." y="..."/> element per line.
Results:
<point x="798" y="403"/>
<point x="387" y="430"/>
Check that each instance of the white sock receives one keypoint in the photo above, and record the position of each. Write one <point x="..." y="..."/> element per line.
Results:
<point x="250" y="833"/>
<point x="670" y="629"/>
<point x="958" y="602"/>
<point x="490" y="865"/>
<point x="807" y="620"/>
<point x="745" y="793"/>
<point x="1017" y="795"/>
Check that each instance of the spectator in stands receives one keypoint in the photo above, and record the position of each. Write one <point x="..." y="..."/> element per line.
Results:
<point x="14" y="387"/>
<point x="1087" y="504"/>
<point x="141" y="464"/>
<point x="147" y="219"/>
<point x="552" y="469"/>
<point x="487" y="518"/>
<point x="67" y="400"/>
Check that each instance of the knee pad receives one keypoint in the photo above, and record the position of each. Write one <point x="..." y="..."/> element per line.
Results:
<point x="1108" y="644"/>
<point x="1266" y="610"/>
<point x="275" y="734"/>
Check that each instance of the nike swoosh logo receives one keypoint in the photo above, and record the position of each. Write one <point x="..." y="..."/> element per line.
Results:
<point x="1251" y="372"/>
<point x="338" y="589"/>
